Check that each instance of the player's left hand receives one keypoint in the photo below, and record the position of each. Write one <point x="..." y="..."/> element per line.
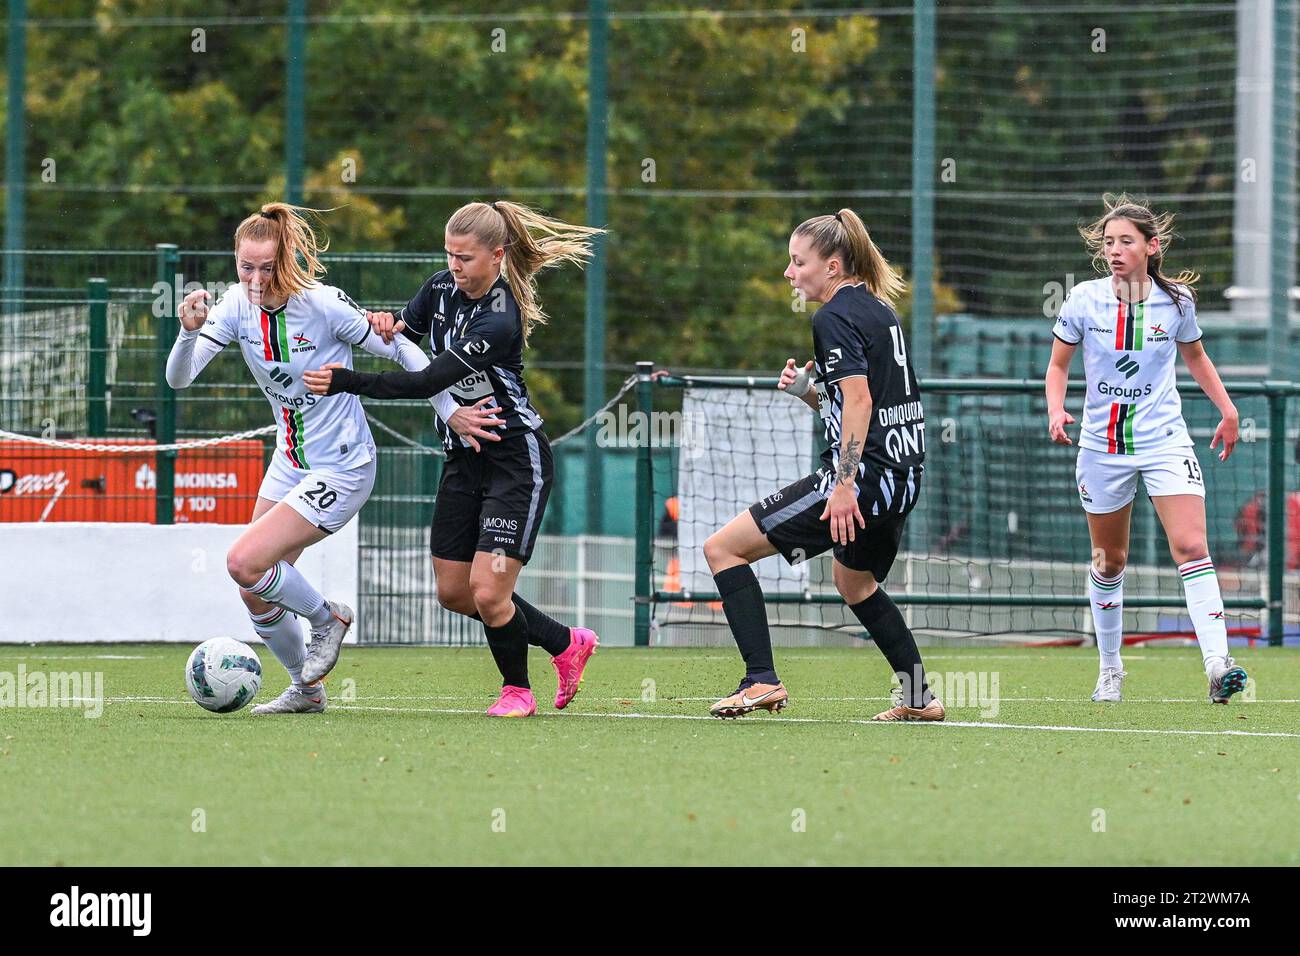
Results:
<point x="471" y="422"/>
<point x="1227" y="432"/>
<point x="318" y="380"/>
<point x="842" y="511"/>
<point x="794" y="380"/>
<point x="383" y="325"/>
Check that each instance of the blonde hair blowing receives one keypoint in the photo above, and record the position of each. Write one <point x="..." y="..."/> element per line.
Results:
<point x="844" y="235"/>
<point x="1151" y="226"/>
<point x="532" y="242"/>
<point x="297" y="250"/>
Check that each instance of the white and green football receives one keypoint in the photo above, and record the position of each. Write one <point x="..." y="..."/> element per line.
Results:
<point x="223" y="675"/>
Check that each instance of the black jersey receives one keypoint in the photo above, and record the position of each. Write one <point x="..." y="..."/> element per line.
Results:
<point x="487" y="335"/>
<point x="856" y="334"/>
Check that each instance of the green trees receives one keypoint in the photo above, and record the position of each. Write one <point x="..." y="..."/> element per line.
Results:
<point x="727" y="128"/>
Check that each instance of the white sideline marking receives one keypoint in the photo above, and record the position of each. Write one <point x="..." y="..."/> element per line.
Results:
<point x="973" y="656"/>
<point x="1118" y="730"/>
<point x="785" y="720"/>
<point x="81" y="657"/>
<point x="802" y="697"/>
<point x="823" y="720"/>
<point x="692" y="700"/>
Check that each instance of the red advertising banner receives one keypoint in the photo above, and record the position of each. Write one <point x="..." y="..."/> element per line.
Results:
<point x="215" y="484"/>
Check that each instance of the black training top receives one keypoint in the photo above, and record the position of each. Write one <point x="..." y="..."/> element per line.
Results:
<point x="856" y="334"/>
<point x="478" y="349"/>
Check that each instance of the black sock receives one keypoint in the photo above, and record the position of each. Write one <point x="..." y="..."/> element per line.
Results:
<point x="544" y="631"/>
<point x="509" y="644"/>
<point x="882" y="619"/>
<point x="742" y="602"/>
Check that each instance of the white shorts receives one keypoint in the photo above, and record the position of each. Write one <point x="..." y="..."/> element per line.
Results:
<point x="328" y="499"/>
<point x="1107" y="483"/>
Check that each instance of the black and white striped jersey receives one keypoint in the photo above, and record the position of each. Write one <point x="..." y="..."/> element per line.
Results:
<point x="487" y="335"/>
<point x="856" y="334"/>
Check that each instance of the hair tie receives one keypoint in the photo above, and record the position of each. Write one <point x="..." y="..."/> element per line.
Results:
<point x="838" y="219"/>
<point x="494" y="207"/>
<point x="264" y="214"/>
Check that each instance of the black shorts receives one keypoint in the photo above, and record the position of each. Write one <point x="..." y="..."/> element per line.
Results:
<point x="492" y="501"/>
<point x="791" y="520"/>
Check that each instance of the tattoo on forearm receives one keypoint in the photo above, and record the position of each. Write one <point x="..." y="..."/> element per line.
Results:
<point x="850" y="455"/>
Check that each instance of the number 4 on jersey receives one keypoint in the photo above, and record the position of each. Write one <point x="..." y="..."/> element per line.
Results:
<point x="900" y="356"/>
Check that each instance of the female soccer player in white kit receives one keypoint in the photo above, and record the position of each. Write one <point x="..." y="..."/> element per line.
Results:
<point x="284" y="322"/>
<point x="1130" y="323"/>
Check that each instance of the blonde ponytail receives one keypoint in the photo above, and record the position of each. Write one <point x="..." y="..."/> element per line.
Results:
<point x="532" y="242"/>
<point x="844" y="235"/>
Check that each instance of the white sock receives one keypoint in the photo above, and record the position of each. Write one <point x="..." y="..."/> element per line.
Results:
<point x="283" y="635"/>
<point x="1106" y="595"/>
<point x="1205" y="605"/>
<point x="285" y="587"/>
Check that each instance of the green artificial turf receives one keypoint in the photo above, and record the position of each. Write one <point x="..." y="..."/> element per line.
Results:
<point x="404" y="768"/>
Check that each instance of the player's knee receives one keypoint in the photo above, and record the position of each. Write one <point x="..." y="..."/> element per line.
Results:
<point x="495" y="610"/>
<point x="1111" y="562"/>
<point x="243" y="568"/>
<point x="716" y="553"/>
<point x="457" y="600"/>
<point x="855" y="589"/>
<point x="1188" y="549"/>
<point x="486" y="589"/>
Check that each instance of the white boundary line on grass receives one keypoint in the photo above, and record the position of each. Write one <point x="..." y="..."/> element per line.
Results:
<point x="1082" y="701"/>
<point x="977" y="724"/>
<point x="974" y="654"/>
<point x="802" y="697"/>
<point x="82" y="657"/>
<point x="873" y="723"/>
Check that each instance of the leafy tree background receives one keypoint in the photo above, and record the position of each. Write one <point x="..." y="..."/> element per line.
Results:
<point x="749" y="133"/>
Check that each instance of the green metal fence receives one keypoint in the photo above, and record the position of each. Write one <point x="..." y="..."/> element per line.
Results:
<point x="102" y="375"/>
<point x="980" y="517"/>
<point x="1000" y="498"/>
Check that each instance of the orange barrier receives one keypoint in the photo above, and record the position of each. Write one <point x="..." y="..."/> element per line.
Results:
<point x="216" y="484"/>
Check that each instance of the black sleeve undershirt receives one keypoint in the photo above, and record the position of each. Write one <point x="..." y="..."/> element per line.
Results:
<point x="445" y="370"/>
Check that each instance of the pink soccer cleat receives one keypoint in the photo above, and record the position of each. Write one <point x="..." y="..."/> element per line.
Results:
<point x="514" y="702"/>
<point x="570" y="663"/>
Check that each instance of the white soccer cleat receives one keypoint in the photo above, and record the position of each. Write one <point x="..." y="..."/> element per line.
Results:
<point x="323" y="649"/>
<point x="294" y="700"/>
<point x="1109" y="684"/>
<point x="1227" y="678"/>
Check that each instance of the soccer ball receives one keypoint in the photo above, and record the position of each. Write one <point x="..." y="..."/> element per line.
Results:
<point x="223" y="674"/>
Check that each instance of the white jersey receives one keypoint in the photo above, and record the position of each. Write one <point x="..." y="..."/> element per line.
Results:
<point x="315" y="327"/>
<point x="1129" y="353"/>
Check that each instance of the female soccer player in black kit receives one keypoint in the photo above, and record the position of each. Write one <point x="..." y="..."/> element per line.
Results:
<point x="867" y="394"/>
<point x="477" y="315"/>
